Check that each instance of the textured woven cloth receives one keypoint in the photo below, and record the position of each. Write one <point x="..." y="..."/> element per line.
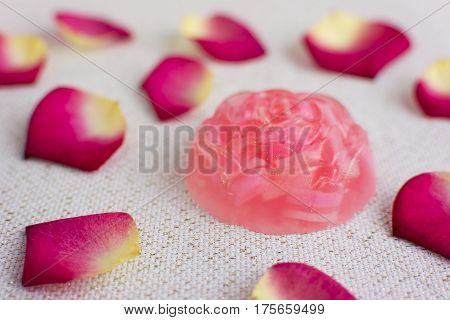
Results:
<point x="186" y="254"/>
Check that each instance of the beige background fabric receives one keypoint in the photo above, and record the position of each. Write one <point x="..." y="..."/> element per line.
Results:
<point x="186" y="254"/>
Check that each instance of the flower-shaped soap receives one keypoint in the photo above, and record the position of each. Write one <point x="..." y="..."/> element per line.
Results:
<point x="279" y="162"/>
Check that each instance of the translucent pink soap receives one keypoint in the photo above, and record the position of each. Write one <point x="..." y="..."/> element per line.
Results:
<point x="279" y="162"/>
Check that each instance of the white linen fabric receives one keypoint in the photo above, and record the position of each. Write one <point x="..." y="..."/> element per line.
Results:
<point x="186" y="254"/>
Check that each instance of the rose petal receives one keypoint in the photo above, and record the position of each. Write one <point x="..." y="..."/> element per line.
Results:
<point x="176" y="85"/>
<point x="345" y="43"/>
<point x="433" y="89"/>
<point x="421" y="212"/>
<point x="298" y="281"/>
<point x="67" y="249"/>
<point x="222" y="37"/>
<point x="21" y="58"/>
<point x="75" y="128"/>
<point x="89" y="32"/>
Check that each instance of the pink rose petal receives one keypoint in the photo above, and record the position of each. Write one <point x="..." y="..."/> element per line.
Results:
<point x="89" y="32"/>
<point x="21" y="58"/>
<point x="222" y="37"/>
<point x="433" y="89"/>
<point x="421" y="212"/>
<point x="67" y="249"/>
<point x="176" y="85"/>
<point x="345" y="43"/>
<point x="298" y="281"/>
<point x="75" y="128"/>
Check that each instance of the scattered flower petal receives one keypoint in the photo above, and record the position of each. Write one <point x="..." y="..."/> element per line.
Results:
<point x="177" y="85"/>
<point x="67" y="249"/>
<point x="345" y="43"/>
<point x="21" y="58"/>
<point x="433" y="89"/>
<point x="421" y="212"/>
<point x="222" y="37"/>
<point x="89" y="32"/>
<point x="298" y="281"/>
<point x="75" y="128"/>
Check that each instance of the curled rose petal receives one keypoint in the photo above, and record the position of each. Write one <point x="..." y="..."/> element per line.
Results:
<point x="67" y="249"/>
<point x="345" y="43"/>
<point x="89" y="32"/>
<point x="421" y="212"/>
<point x="176" y="85"/>
<point x="75" y="128"/>
<point x="222" y="37"/>
<point x="21" y="58"/>
<point x="298" y="281"/>
<point x="433" y="89"/>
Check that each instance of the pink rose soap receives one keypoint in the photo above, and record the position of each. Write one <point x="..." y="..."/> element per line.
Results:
<point x="279" y="162"/>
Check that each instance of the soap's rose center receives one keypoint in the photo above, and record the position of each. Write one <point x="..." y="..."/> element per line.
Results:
<point x="278" y="132"/>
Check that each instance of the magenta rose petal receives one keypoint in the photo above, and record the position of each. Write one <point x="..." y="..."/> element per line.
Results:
<point x="433" y="89"/>
<point x="298" y="281"/>
<point x="345" y="43"/>
<point x="75" y="128"/>
<point x="21" y="58"/>
<point x="222" y="37"/>
<point x="67" y="249"/>
<point x="88" y="31"/>
<point x="176" y="85"/>
<point x="421" y="212"/>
